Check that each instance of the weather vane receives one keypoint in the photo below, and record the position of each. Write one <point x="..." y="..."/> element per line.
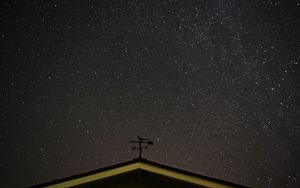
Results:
<point x="142" y="144"/>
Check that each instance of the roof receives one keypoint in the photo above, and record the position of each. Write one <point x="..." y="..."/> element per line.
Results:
<point x="144" y="165"/>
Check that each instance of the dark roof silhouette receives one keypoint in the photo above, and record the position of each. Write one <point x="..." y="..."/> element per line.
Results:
<point x="136" y="172"/>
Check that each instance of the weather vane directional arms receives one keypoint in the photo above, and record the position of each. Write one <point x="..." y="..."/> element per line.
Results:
<point x="142" y="143"/>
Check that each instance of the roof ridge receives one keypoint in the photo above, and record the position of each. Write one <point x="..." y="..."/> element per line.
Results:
<point x="149" y="165"/>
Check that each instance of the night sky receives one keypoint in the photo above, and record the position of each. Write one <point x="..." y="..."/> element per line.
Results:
<point x="214" y="83"/>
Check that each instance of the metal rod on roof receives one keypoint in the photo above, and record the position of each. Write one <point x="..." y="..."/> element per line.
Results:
<point x="143" y="143"/>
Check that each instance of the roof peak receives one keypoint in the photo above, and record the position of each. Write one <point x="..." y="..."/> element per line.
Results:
<point x="145" y="165"/>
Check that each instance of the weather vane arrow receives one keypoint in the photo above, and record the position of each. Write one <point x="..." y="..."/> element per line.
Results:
<point x="142" y="143"/>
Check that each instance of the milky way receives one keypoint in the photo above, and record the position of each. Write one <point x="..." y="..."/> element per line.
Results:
<point x="215" y="84"/>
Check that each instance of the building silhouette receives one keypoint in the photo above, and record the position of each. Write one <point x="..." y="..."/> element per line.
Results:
<point x="139" y="173"/>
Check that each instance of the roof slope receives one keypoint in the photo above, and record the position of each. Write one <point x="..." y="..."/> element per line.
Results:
<point x="144" y="165"/>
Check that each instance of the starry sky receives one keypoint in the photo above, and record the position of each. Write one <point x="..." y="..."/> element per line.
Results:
<point x="214" y="83"/>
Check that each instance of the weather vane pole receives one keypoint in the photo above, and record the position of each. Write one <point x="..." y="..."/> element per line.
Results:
<point x="142" y="144"/>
